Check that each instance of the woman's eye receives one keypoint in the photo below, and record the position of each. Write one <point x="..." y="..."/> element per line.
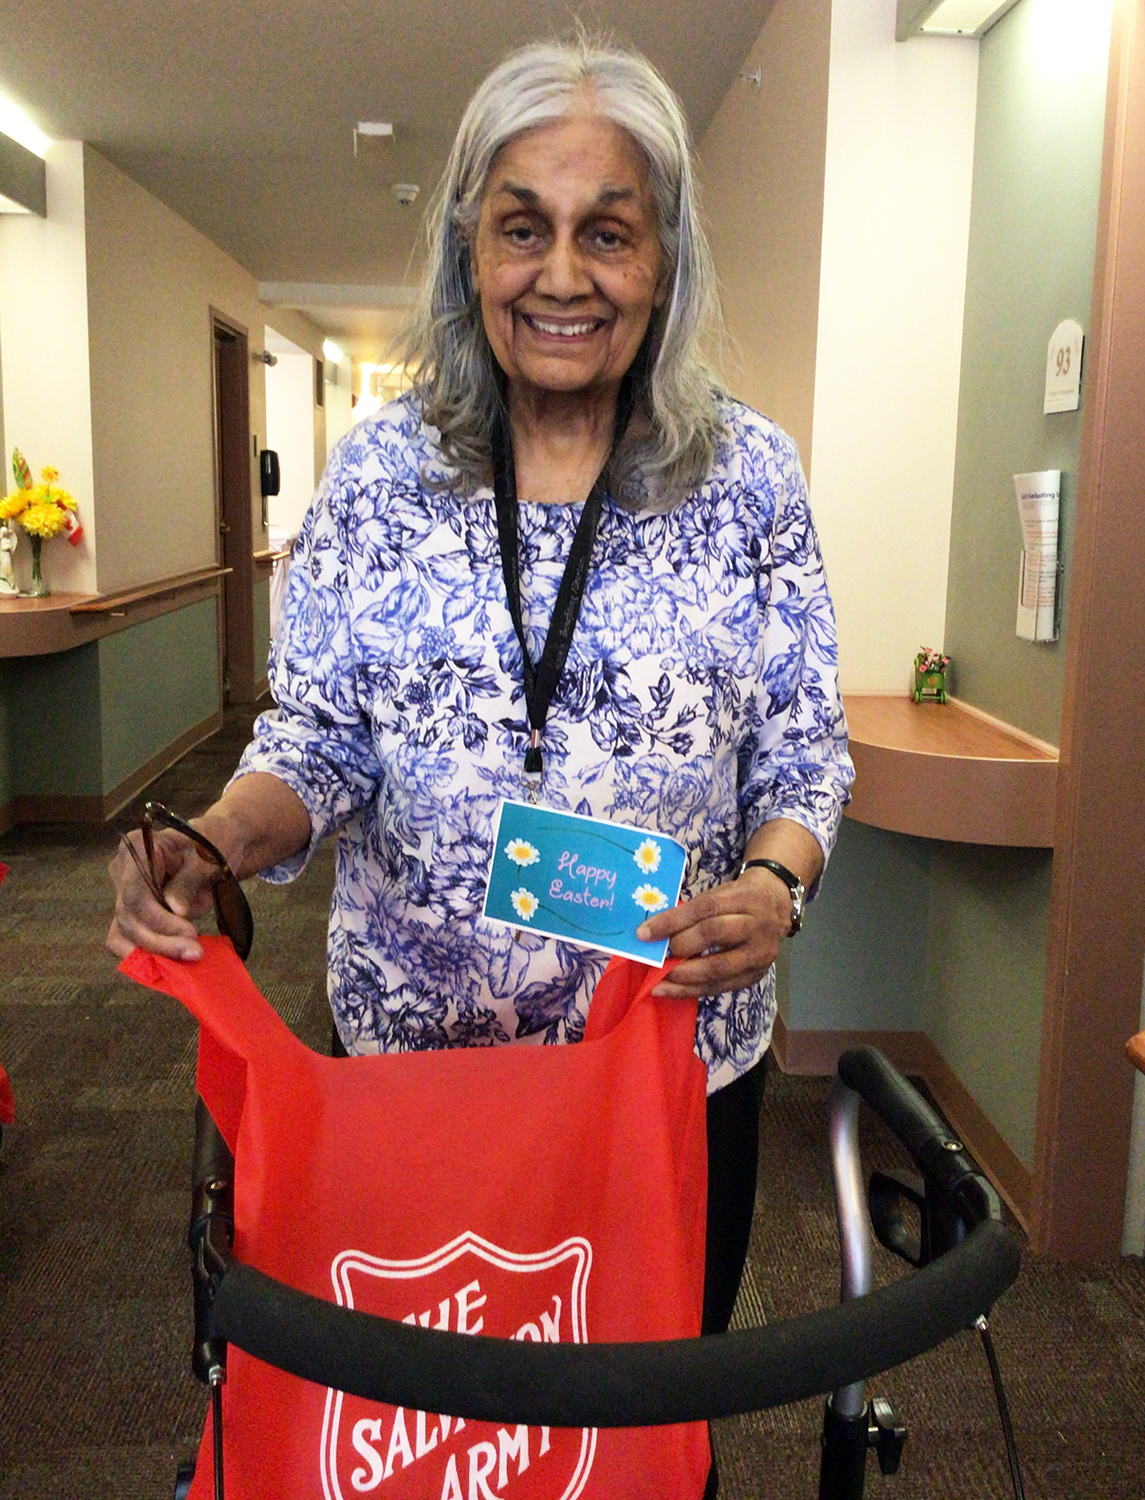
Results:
<point x="521" y="234"/>
<point x="607" y="239"/>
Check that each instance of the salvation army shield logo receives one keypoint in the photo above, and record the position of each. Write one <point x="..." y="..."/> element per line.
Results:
<point x="468" y="1286"/>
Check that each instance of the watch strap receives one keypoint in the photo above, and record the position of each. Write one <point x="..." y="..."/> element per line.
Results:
<point x="790" y="880"/>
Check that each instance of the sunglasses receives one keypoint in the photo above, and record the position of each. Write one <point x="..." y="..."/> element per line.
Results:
<point x="232" y="910"/>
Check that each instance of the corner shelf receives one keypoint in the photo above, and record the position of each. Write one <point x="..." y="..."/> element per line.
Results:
<point x="949" y="771"/>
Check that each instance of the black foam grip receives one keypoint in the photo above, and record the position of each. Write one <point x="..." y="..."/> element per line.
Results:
<point x="908" y="1116"/>
<point x="615" y="1385"/>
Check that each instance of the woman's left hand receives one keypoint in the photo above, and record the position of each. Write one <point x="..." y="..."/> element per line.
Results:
<point x="728" y="937"/>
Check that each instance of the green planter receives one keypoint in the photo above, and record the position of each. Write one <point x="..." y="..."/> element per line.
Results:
<point x="929" y="687"/>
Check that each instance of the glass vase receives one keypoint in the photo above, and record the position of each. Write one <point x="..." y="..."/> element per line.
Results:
<point x="39" y="589"/>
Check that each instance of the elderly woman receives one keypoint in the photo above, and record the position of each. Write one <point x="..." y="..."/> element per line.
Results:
<point x="563" y="477"/>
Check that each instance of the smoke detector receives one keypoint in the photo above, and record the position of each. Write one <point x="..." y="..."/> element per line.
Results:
<point x="406" y="192"/>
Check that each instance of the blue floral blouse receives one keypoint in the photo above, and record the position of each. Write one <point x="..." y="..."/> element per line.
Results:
<point x="700" y="698"/>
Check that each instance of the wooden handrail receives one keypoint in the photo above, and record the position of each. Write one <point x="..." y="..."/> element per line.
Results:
<point x="103" y="604"/>
<point x="269" y="555"/>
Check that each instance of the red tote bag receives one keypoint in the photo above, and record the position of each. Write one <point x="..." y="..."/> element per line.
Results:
<point x="545" y="1193"/>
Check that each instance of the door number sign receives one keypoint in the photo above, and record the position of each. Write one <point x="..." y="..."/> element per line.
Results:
<point x="1063" y="367"/>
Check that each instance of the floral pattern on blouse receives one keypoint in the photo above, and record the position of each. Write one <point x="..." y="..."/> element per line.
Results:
<point x="700" y="699"/>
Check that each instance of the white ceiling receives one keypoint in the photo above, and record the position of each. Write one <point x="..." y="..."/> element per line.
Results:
<point x="239" y="113"/>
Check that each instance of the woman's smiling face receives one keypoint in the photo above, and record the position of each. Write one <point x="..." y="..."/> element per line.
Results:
<point x="566" y="258"/>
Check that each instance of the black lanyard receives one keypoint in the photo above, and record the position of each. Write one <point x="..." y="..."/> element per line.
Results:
<point x="541" y="681"/>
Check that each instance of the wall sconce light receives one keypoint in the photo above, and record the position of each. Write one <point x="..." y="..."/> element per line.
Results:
<point x="16" y="124"/>
<point x="264" y="357"/>
<point x="971" y="18"/>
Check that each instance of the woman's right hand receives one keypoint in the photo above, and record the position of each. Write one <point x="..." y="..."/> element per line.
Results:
<point x="186" y="881"/>
<point x="258" y="822"/>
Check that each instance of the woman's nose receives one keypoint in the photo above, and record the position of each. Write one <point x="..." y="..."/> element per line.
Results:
<point x="564" y="275"/>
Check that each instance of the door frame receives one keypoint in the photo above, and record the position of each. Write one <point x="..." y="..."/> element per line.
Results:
<point x="233" y="477"/>
<point x="1097" y="903"/>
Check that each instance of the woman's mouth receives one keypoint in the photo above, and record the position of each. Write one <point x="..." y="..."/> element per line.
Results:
<point x="570" y="329"/>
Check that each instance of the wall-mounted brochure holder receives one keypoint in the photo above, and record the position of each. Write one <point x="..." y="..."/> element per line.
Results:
<point x="1039" y="511"/>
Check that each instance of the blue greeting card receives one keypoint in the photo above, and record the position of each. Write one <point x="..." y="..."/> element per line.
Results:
<point x="582" y="879"/>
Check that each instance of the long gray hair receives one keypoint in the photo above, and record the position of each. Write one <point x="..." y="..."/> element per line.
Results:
<point x="447" y="353"/>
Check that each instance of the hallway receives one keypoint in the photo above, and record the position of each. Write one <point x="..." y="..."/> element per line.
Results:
<point x="95" y="1388"/>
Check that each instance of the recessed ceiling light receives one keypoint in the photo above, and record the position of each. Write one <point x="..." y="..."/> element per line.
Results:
<point x="15" y="123"/>
<point x="964" y="17"/>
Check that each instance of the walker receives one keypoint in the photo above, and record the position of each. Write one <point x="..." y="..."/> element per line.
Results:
<point x="964" y="1257"/>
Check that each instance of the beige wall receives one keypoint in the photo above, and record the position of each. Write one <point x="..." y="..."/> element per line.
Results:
<point x="44" y="346"/>
<point x="762" y="161"/>
<point x="896" y="216"/>
<point x="152" y="281"/>
<point x="838" y="196"/>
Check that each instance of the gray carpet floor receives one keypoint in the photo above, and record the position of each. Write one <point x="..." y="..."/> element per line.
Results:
<point x="96" y="1398"/>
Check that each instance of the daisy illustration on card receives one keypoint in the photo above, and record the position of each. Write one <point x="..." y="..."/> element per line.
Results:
<point x="650" y="899"/>
<point x="525" y="904"/>
<point x="647" y="856"/>
<point x="522" y="853"/>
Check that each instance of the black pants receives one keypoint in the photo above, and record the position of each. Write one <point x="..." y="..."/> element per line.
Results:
<point x="733" y="1161"/>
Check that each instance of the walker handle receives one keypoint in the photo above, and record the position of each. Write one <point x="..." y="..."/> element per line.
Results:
<point x="936" y="1152"/>
<point x="615" y="1385"/>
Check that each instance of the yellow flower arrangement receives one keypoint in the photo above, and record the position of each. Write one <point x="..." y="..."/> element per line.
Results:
<point x="43" y="510"/>
<point x="44" y="518"/>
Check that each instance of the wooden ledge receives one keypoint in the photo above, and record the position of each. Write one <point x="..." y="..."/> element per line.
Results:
<point x="949" y="771"/>
<point x="40" y="627"/>
<point x="265" y="560"/>
<point x="161" y="588"/>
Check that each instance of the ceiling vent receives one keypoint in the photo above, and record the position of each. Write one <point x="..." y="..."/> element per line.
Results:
<point x="376" y="131"/>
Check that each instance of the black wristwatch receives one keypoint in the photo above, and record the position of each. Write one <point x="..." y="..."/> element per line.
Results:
<point x="790" y="880"/>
